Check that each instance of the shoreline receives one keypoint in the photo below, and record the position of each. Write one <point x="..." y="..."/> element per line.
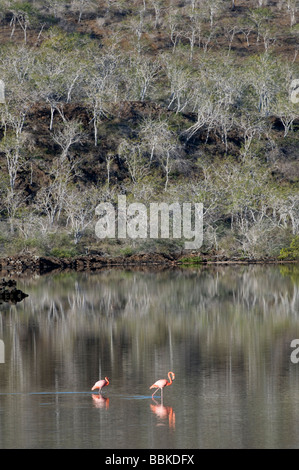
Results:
<point x="23" y="264"/>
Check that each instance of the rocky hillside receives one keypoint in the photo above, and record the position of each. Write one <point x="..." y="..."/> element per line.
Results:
<point x="163" y="101"/>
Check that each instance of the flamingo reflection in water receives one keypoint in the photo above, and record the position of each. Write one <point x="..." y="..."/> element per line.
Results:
<point x="100" y="401"/>
<point x="163" y="412"/>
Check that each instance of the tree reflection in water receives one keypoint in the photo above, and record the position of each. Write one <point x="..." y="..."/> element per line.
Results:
<point x="226" y="331"/>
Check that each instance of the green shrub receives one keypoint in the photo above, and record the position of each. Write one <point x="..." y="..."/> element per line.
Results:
<point x="291" y="253"/>
<point x="191" y="261"/>
<point x="63" y="252"/>
<point x="127" y="251"/>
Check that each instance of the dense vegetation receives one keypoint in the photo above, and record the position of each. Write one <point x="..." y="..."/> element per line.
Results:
<point x="173" y="100"/>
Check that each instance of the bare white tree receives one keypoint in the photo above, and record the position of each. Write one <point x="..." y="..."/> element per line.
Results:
<point x="286" y="111"/>
<point x="20" y="16"/>
<point x="70" y="133"/>
<point x="101" y="87"/>
<point x="80" y="6"/>
<point x="79" y="208"/>
<point x="109" y="159"/>
<point x="145" y="73"/>
<point x="259" y="18"/>
<point x="51" y="197"/>
<point x="158" y="7"/>
<point x="173" y="27"/>
<point x="11" y="147"/>
<point x="180" y="85"/>
<point x="162" y="143"/>
<point x="133" y="155"/>
<point x="292" y="7"/>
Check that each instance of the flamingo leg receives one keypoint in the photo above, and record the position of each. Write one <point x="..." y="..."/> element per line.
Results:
<point x="155" y="391"/>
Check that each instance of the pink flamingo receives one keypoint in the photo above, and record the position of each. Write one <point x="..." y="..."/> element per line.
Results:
<point x="100" y="384"/>
<point x="160" y="384"/>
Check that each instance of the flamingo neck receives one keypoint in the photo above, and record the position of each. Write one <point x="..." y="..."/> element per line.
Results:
<point x="169" y="378"/>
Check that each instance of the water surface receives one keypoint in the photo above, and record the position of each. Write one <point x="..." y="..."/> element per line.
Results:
<point x="224" y="331"/>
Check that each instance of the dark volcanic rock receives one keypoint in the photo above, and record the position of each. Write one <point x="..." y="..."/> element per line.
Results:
<point x="9" y="292"/>
<point x="30" y="265"/>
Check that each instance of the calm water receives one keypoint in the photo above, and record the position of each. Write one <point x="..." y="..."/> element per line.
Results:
<point x="225" y="332"/>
